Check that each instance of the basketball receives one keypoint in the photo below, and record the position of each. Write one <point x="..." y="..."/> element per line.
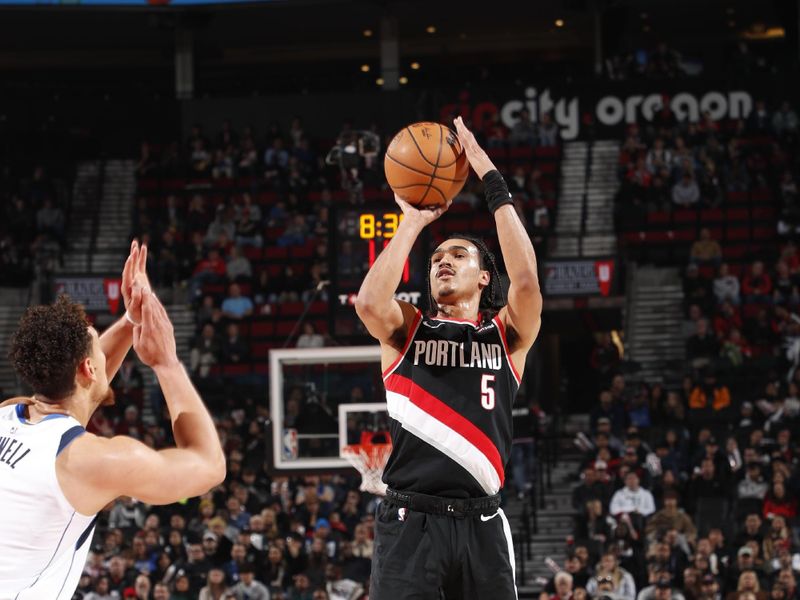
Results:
<point x="425" y="164"/>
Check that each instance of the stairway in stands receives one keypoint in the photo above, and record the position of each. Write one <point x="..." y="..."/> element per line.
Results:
<point x="653" y="321"/>
<point x="571" y="194"/>
<point x="116" y="208"/>
<point x="11" y="309"/>
<point x="599" y="238"/>
<point x="585" y="220"/>
<point x="82" y="216"/>
<point x="555" y="518"/>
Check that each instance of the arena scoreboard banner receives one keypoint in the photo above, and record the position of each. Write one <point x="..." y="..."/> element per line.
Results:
<point x="586" y="277"/>
<point x="101" y="295"/>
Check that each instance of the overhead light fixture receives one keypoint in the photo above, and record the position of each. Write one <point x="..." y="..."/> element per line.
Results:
<point x="646" y="28"/>
<point x="403" y="80"/>
<point x="365" y="68"/>
<point x="367" y="33"/>
<point x="379" y="81"/>
<point x="431" y="29"/>
<point x="559" y="22"/>
<point x="415" y="66"/>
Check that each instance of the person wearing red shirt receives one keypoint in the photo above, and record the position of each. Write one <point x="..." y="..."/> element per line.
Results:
<point x="776" y="502"/>
<point x="757" y="285"/>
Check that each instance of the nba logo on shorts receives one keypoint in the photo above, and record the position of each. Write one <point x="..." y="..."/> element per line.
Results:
<point x="289" y="444"/>
<point x="401" y="514"/>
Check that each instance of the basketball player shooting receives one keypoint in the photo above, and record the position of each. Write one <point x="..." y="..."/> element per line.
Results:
<point x="451" y="377"/>
<point x="54" y="476"/>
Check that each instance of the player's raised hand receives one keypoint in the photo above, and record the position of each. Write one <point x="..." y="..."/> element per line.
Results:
<point x="423" y="216"/>
<point x="154" y="339"/>
<point x="477" y="157"/>
<point x="134" y="280"/>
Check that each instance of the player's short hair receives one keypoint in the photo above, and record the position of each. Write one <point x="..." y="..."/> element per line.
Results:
<point x="48" y="346"/>
<point x="492" y="297"/>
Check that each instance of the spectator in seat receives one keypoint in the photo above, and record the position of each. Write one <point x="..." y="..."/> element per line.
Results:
<point x="222" y="225"/>
<point x="759" y="121"/>
<point x="671" y="517"/>
<point x="563" y="584"/>
<point x="210" y="270"/>
<point x="686" y="193"/>
<point x="495" y="132"/>
<point x="235" y="350"/>
<point x="785" y="291"/>
<point x="632" y="498"/>
<point x="747" y="584"/>
<point x="205" y="352"/>
<point x="784" y="121"/>
<point x="659" y="157"/>
<point x="523" y="132"/>
<point x="710" y="397"/>
<point x="697" y="290"/>
<point x="611" y="577"/>
<point x="295" y="233"/>
<point x="753" y="484"/>
<point x="248" y="229"/>
<point x="706" y="250"/>
<point x="702" y="348"/>
<point x="757" y="285"/>
<point x="705" y="484"/>
<point x="778" y="502"/>
<point x="547" y="131"/>
<point x="50" y="220"/>
<point x="236" y="306"/>
<point x="726" y="286"/>
<point x="592" y="487"/>
<point x="310" y="338"/>
<point x="238" y="267"/>
<point x="614" y="412"/>
<point x="215" y="588"/>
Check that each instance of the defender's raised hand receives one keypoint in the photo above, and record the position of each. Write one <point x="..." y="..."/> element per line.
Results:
<point x="134" y="280"/>
<point x="154" y="339"/>
<point x="477" y="157"/>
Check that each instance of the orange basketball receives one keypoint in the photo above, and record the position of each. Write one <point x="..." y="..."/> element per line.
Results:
<point x="425" y="164"/>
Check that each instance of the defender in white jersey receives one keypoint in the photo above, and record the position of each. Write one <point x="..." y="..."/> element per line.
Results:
<point x="54" y="476"/>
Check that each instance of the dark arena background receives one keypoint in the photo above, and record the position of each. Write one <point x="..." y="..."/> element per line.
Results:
<point x="652" y="151"/>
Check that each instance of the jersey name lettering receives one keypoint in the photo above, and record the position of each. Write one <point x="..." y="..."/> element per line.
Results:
<point x="11" y="451"/>
<point x="446" y="353"/>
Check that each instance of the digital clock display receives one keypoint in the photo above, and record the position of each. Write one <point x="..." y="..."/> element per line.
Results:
<point x="371" y="226"/>
<point x="359" y="235"/>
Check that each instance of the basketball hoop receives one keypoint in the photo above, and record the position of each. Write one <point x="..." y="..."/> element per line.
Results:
<point x="369" y="457"/>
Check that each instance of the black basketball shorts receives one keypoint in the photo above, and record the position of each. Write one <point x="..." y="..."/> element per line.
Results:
<point x="424" y="556"/>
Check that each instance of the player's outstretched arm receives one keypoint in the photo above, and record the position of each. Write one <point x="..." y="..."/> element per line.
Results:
<point x="383" y="316"/>
<point x="524" y="309"/>
<point x="93" y="471"/>
<point x="116" y="340"/>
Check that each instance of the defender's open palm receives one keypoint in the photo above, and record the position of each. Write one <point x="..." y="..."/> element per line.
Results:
<point x="423" y="216"/>
<point x="134" y="280"/>
<point x="477" y="157"/>
<point x="154" y="339"/>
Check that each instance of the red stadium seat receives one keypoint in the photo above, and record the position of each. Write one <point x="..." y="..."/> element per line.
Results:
<point x="235" y="370"/>
<point x="761" y="195"/>
<point x="276" y="253"/>
<point x="737" y="233"/>
<point x="712" y="215"/>
<point x="684" y="216"/>
<point x="764" y="233"/>
<point x="737" y="214"/>
<point x="547" y="152"/>
<point x="658" y="218"/>
<point x="252" y="253"/>
<point x="763" y="213"/>
<point x="734" y="251"/>
<point x="291" y="309"/>
<point x="518" y="152"/>
<point x="283" y="328"/>
<point x="260" y="329"/>
<point x="737" y="197"/>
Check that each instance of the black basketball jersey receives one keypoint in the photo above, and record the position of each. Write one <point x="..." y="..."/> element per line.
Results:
<point x="449" y="396"/>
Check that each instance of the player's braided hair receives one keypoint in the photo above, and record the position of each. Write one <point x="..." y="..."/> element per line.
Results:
<point x="492" y="297"/>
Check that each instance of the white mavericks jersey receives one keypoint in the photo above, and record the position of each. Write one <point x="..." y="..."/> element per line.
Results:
<point x="44" y="541"/>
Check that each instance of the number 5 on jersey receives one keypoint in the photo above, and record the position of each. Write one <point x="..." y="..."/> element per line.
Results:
<point x="487" y="392"/>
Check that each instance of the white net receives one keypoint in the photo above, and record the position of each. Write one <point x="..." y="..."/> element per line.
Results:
<point x="370" y="460"/>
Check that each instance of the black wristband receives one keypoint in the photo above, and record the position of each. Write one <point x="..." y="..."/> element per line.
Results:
<point x="496" y="190"/>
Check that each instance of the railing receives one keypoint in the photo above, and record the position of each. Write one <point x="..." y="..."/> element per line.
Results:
<point x="98" y="199"/>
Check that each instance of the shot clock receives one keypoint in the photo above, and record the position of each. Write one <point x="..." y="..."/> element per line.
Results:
<point x="360" y="234"/>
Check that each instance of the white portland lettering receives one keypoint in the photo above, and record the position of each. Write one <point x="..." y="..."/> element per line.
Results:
<point x="443" y="353"/>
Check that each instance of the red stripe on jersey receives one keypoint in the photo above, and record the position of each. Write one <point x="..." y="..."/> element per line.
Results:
<point x="444" y="414"/>
<point x="411" y="333"/>
<point x="502" y="329"/>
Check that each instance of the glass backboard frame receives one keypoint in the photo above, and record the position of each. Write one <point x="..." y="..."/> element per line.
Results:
<point x="308" y="356"/>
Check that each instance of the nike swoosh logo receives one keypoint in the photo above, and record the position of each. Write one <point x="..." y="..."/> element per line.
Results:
<point x="484" y="518"/>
